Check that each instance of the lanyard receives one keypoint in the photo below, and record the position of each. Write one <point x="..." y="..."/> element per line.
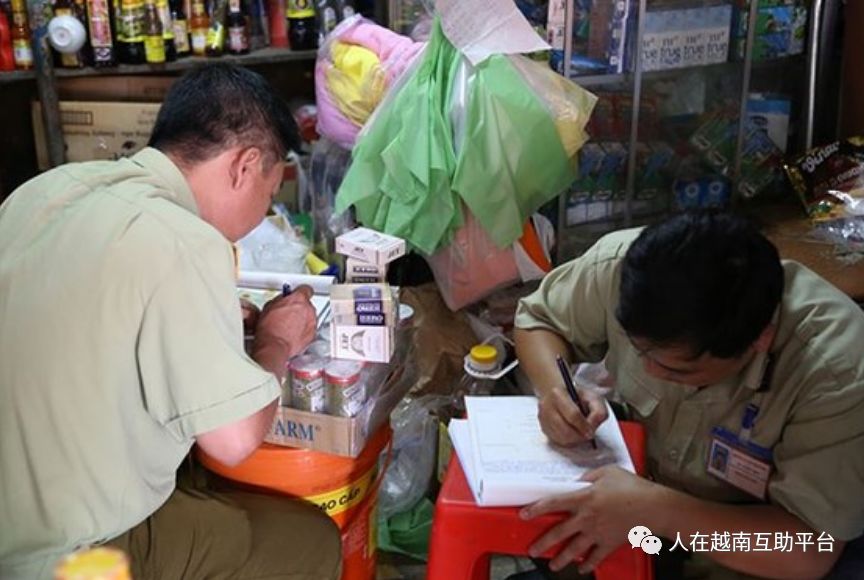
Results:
<point x="752" y="408"/>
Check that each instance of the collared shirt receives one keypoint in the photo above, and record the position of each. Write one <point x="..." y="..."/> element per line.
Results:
<point x="121" y="340"/>
<point x="812" y="414"/>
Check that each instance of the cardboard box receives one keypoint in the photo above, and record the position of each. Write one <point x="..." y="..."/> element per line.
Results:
<point x="128" y="88"/>
<point x="370" y="246"/>
<point x="98" y="130"/>
<point x="686" y="37"/>
<point x="340" y="435"/>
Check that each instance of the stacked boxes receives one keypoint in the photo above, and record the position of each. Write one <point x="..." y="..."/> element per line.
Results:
<point x="363" y="323"/>
<point x="686" y="37"/>
<point x="365" y="311"/>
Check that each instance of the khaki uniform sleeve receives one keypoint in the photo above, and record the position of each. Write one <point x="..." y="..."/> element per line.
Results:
<point x="574" y="301"/>
<point x="195" y="374"/>
<point x="820" y="460"/>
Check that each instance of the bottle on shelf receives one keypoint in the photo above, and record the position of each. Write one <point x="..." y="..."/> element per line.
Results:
<point x="154" y="43"/>
<point x="130" y="32"/>
<point x="68" y="33"/>
<point x="198" y="25"/>
<point x="101" y="38"/>
<point x="7" y="55"/>
<point x="238" y="32"/>
<point x="164" y="12"/>
<point x="22" y="49"/>
<point x="181" y="28"/>
<point x="216" y="31"/>
<point x="302" y="30"/>
<point x="278" y="23"/>
<point x="346" y="9"/>
<point x="328" y="17"/>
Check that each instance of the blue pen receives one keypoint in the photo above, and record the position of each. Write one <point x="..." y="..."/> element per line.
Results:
<point x="286" y="289"/>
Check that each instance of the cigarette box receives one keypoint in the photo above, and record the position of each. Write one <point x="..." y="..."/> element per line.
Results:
<point x="350" y="299"/>
<point x="358" y="271"/>
<point x="370" y="246"/>
<point x="367" y="343"/>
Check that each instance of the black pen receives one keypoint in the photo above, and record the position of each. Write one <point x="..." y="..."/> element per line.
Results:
<point x="571" y="390"/>
<point x="286" y="289"/>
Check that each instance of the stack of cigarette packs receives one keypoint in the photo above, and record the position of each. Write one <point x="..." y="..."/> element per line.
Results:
<point x="364" y="309"/>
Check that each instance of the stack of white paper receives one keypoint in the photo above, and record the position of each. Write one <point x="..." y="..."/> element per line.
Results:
<point x="508" y="461"/>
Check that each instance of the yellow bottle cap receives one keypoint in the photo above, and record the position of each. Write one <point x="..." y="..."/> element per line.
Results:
<point x="484" y="354"/>
<point x="103" y="563"/>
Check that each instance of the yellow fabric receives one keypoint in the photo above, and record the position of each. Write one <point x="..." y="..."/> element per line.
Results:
<point x="355" y="81"/>
<point x="122" y="340"/>
<point x="812" y="416"/>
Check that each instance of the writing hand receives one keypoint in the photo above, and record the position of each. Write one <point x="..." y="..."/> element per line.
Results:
<point x="562" y="421"/>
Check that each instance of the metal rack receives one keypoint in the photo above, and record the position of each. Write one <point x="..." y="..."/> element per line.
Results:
<point x="635" y="81"/>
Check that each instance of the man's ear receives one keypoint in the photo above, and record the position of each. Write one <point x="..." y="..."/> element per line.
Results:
<point x="766" y="338"/>
<point x="244" y="163"/>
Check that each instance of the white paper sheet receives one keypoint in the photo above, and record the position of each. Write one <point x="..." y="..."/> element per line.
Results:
<point x="481" y="28"/>
<point x="508" y="460"/>
<point x="274" y="281"/>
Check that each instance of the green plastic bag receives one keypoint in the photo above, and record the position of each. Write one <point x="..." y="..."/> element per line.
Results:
<point x="408" y="179"/>
<point x="408" y="532"/>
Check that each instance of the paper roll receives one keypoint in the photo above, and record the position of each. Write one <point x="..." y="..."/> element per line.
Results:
<point x="275" y="280"/>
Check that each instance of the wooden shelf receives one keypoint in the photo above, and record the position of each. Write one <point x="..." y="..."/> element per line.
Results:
<point x="268" y="55"/>
<point x="17" y="75"/>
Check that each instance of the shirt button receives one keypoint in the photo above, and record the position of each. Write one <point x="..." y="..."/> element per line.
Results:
<point x="673" y="453"/>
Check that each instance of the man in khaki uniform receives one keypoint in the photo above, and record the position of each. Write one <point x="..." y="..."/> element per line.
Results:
<point x="122" y="345"/>
<point x="748" y="376"/>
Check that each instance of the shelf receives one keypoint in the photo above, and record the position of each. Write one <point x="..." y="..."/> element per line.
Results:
<point x="15" y="76"/>
<point x="264" y="56"/>
<point x="721" y="67"/>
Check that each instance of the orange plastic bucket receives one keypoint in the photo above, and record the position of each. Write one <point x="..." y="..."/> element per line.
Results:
<point x="345" y="488"/>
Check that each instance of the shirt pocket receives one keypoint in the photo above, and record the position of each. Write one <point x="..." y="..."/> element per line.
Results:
<point x="639" y="396"/>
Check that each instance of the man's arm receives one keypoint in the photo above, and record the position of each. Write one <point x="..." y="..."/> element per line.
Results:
<point x="536" y="350"/>
<point x="602" y="514"/>
<point x="287" y="325"/>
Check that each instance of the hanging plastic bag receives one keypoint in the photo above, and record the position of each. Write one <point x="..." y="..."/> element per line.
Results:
<point x="356" y="65"/>
<point x="454" y="132"/>
<point x="471" y="266"/>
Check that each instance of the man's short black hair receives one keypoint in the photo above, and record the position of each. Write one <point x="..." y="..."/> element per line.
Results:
<point x="217" y="106"/>
<point x="706" y="280"/>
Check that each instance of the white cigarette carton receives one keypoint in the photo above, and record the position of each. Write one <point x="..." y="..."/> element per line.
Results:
<point x="370" y="246"/>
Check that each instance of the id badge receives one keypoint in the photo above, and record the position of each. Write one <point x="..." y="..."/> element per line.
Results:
<point x="742" y="464"/>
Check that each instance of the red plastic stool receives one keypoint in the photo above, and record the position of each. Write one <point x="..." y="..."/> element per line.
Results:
<point x="464" y="535"/>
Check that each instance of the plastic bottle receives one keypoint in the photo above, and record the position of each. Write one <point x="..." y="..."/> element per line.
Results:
<point x="22" y="50"/>
<point x="101" y="36"/>
<point x="483" y="358"/>
<point x="198" y="25"/>
<point x="302" y="29"/>
<point x="154" y="43"/>
<point x="181" y="28"/>
<point x="238" y="33"/>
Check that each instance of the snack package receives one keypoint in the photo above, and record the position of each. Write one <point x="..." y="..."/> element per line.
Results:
<point x="838" y="166"/>
<point x="830" y="182"/>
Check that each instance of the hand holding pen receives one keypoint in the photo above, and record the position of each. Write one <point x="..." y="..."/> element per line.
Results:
<point x="571" y="390"/>
<point x="562" y="419"/>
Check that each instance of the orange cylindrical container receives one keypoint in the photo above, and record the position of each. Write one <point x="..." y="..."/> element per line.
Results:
<point x="345" y="488"/>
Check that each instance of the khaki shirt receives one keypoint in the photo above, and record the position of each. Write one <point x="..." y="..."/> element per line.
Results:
<point x="121" y="339"/>
<point x="812" y="415"/>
